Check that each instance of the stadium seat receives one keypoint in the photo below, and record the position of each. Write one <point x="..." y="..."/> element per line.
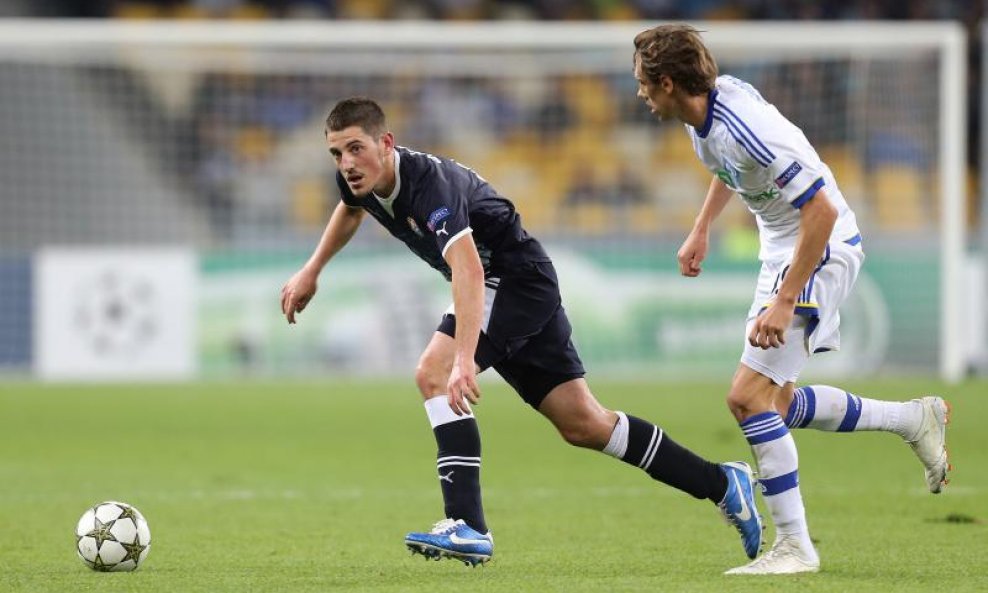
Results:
<point x="310" y="207"/>
<point x="902" y="198"/>
<point x="136" y="11"/>
<point x="846" y="165"/>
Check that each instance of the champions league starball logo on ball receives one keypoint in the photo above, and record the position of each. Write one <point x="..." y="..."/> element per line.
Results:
<point x="116" y="313"/>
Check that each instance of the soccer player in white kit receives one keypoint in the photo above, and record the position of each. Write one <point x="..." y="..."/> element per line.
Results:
<point x="811" y="252"/>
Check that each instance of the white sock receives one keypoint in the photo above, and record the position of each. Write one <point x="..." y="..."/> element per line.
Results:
<point x="831" y="409"/>
<point x="618" y="445"/>
<point x="439" y="412"/>
<point x="778" y="469"/>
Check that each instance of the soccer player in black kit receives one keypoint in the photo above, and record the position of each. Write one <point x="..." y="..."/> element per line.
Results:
<point x="507" y="314"/>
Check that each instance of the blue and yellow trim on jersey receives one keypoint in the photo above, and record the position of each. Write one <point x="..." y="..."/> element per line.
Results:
<point x="805" y="305"/>
<point x="803" y="308"/>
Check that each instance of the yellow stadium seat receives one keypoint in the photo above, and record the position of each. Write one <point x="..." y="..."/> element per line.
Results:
<point x="248" y="12"/>
<point x="591" y="100"/>
<point x="590" y="219"/>
<point x="641" y="219"/>
<point x="310" y="198"/>
<point x="364" y="9"/>
<point x="136" y="11"/>
<point x="188" y="12"/>
<point x="901" y="198"/>
<point x="847" y="168"/>
<point x="254" y="143"/>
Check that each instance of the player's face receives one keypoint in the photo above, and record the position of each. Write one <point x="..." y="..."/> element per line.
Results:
<point x="363" y="160"/>
<point x="656" y="95"/>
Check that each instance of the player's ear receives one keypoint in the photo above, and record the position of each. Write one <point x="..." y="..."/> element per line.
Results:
<point x="387" y="142"/>
<point x="666" y="84"/>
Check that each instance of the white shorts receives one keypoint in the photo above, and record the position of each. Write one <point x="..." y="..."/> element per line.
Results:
<point x="816" y="325"/>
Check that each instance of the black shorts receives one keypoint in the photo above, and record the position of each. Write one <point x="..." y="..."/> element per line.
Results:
<point x="528" y="340"/>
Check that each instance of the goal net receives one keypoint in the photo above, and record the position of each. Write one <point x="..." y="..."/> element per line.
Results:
<point x="209" y="137"/>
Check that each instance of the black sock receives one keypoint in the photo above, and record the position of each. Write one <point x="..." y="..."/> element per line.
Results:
<point x="458" y="464"/>
<point x="670" y="463"/>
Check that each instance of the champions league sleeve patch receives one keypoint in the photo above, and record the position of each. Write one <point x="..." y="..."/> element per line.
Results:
<point x="791" y="172"/>
<point x="436" y="217"/>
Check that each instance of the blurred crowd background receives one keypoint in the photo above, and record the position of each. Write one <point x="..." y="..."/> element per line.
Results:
<point x="965" y="10"/>
<point x="241" y="142"/>
<point x="219" y="148"/>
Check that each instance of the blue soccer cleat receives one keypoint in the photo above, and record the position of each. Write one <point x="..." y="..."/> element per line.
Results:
<point x="452" y="539"/>
<point x="739" y="508"/>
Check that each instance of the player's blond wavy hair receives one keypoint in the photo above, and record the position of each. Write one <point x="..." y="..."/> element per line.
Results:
<point x="677" y="52"/>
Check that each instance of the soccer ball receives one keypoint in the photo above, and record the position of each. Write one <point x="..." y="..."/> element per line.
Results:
<point x="113" y="536"/>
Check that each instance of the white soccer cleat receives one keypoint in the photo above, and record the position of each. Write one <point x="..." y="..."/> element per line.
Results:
<point x="785" y="557"/>
<point x="930" y="443"/>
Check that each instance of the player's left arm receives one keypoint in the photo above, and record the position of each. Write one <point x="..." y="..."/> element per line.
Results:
<point x="799" y="175"/>
<point x="817" y="217"/>
<point x="468" y="302"/>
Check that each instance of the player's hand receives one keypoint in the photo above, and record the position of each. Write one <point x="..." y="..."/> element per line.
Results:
<point x="462" y="386"/>
<point x="297" y="292"/>
<point x="769" y="329"/>
<point x="692" y="253"/>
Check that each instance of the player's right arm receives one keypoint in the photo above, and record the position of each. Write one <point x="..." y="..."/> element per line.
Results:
<point x="694" y="248"/>
<point x="301" y="287"/>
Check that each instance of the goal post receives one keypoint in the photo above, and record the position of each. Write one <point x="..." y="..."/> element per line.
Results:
<point x="208" y="135"/>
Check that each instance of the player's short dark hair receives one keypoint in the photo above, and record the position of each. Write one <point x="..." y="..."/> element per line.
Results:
<point x="357" y="111"/>
<point x="678" y="52"/>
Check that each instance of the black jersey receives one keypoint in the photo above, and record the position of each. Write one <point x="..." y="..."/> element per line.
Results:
<point x="439" y="200"/>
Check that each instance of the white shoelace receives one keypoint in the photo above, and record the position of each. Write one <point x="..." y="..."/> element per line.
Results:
<point x="783" y="546"/>
<point x="443" y="526"/>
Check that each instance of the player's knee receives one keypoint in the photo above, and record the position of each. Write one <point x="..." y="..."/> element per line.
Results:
<point x="745" y="402"/>
<point x="739" y="402"/>
<point x="587" y="432"/>
<point x="577" y="435"/>
<point x="430" y="379"/>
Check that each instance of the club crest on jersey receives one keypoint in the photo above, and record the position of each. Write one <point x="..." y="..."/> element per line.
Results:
<point x="436" y="217"/>
<point x="730" y="176"/>
<point x="782" y="180"/>
<point x="414" y="226"/>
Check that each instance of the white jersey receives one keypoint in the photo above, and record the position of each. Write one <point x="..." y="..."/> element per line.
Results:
<point x="768" y="162"/>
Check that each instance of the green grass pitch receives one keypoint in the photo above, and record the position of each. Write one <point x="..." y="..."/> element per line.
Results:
<point x="311" y="486"/>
